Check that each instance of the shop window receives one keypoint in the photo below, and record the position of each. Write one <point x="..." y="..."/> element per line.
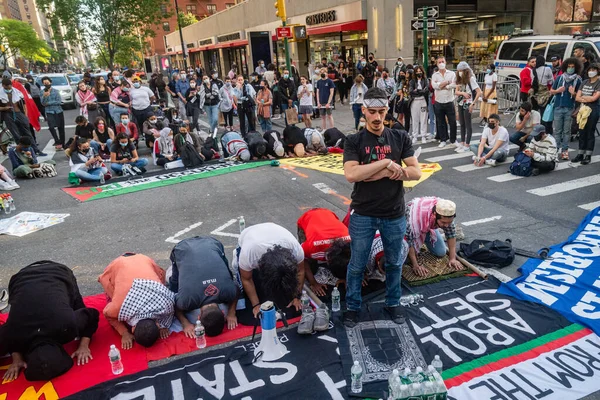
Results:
<point x="191" y="8"/>
<point x="586" y="47"/>
<point x="211" y="8"/>
<point x="515" y="51"/>
<point x="229" y="5"/>
<point x="166" y="27"/>
<point x="539" y="49"/>
<point x="556" y="49"/>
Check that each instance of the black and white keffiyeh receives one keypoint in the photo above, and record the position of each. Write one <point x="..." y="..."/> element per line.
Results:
<point x="148" y="299"/>
<point x="375" y="102"/>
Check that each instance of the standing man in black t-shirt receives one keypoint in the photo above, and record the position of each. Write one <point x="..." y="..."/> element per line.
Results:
<point x="373" y="162"/>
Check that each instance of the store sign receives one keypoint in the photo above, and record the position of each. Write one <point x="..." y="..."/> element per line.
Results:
<point x="205" y="42"/>
<point x="321" y="18"/>
<point x="284" y="32"/>
<point x="229" y="37"/>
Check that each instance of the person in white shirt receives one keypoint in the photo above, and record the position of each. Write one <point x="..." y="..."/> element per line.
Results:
<point x="305" y="95"/>
<point x="493" y="147"/>
<point x="468" y="93"/>
<point x="141" y="99"/>
<point x="527" y="119"/>
<point x="444" y="83"/>
<point x="542" y="150"/>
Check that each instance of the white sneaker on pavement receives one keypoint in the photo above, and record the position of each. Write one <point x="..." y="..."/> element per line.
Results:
<point x="14" y="185"/>
<point x="461" y="149"/>
<point x="5" y="185"/>
<point x="453" y="144"/>
<point x="442" y="145"/>
<point x="414" y="140"/>
<point x="491" y="162"/>
<point x="423" y="140"/>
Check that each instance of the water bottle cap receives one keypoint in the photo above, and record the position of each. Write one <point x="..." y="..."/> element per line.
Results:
<point x="406" y="370"/>
<point x="419" y="369"/>
<point x="303" y="293"/>
<point x="437" y="357"/>
<point x="431" y="368"/>
<point x="112" y="346"/>
<point x="395" y="371"/>
<point x="397" y="379"/>
<point x="355" y="362"/>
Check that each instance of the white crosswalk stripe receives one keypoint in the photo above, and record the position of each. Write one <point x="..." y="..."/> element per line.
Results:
<point x="590" y="206"/>
<point x="566" y="186"/>
<point x="510" y="177"/>
<point x="435" y="148"/>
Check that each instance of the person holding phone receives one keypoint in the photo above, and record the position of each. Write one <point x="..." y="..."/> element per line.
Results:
<point x="85" y="162"/>
<point x="52" y="101"/>
<point x="124" y="152"/>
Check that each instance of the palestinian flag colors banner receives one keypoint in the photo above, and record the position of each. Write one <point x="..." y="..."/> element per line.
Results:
<point x="84" y="194"/>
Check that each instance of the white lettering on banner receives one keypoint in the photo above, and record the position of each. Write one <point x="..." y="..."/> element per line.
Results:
<point x="492" y="334"/>
<point x="291" y="369"/>
<point x="442" y="346"/>
<point x="332" y="388"/>
<point x="582" y="250"/>
<point x="142" y="394"/>
<point x="570" y="372"/>
<point x="244" y="384"/>
<point x="462" y="344"/>
<point x="584" y="307"/>
<point x="216" y="387"/>
<point x="177" y="388"/>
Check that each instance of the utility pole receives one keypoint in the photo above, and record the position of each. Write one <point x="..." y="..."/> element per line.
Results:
<point x="425" y="41"/>
<point x="183" y="49"/>
<point x="280" y="7"/>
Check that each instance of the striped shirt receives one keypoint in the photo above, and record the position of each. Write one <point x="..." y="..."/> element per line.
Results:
<point x="544" y="150"/>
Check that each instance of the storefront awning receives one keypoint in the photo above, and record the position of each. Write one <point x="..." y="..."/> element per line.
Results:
<point x="359" y="25"/>
<point x="233" y="43"/>
<point x="195" y="50"/>
<point x="172" y="53"/>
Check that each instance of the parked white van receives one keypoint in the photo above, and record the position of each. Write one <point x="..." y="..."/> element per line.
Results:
<point x="513" y="53"/>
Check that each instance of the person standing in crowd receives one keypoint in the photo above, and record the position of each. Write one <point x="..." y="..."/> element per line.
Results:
<point x="181" y="88"/>
<point x="35" y="92"/>
<point x="325" y="100"/>
<point x="12" y="112"/>
<point x="351" y="72"/>
<point x="172" y="89"/>
<point x="527" y="119"/>
<point x="114" y="79"/>
<point x="264" y="100"/>
<point x="305" y="96"/>
<point x="556" y="66"/>
<point x="545" y="79"/>
<point x="86" y="100"/>
<point x="233" y="72"/>
<point x="373" y="163"/>
<point x="255" y="81"/>
<point x="588" y="96"/>
<point x="192" y="98"/>
<point x="367" y="71"/>
<point x="342" y="84"/>
<point x="444" y="83"/>
<point x="372" y="61"/>
<point x="141" y="102"/>
<point x="398" y="98"/>
<point x="489" y="100"/>
<point x="269" y="75"/>
<point x="332" y="73"/>
<point x="209" y="100"/>
<point x="85" y="162"/>
<point x="527" y="79"/>
<point x="51" y="101"/>
<point x="542" y="150"/>
<point x="564" y="89"/>
<point x="357" y="94"/>
<point x="102" y="93"/>
<point x="88" y="80"/>
<point x="468" y="93"/>
<point x="227" y="104"/>
<point x="419" y="93"/>
<point x="161" y="86"/>
<point x="397" y="68"/>
<point x="386" y="83"/>
<point x="493" y="146"/>
<point x="260" y="68"/>
<point x="245" y="96"/>
<point x="287" y="93"/>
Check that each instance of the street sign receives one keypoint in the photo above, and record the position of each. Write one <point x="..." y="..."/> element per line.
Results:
<point x="300" y="32"/>
<point x="417" y="25"/>
<point x="432" y="12"/>
<point x="284" y="32"/>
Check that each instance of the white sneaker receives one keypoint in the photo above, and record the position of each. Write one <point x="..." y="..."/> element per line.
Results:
<point x="14" y="184"/>
<point x="5" y="186"/>
<point x="461" y="149"/>
<point x="442" y="145"/>
<point x="423" y="140"/>
<point x="453" y="144"/>
<point x="491" y="162"/>
<point x="414" y="140"/>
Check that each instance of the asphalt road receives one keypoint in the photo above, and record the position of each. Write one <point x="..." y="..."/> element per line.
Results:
<point x="96" y="232"/>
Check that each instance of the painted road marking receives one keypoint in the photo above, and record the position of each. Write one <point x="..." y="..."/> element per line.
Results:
<point x="173" y="239"/>
<point x="482" y="221"/>
<point x="566" y="186"/>
<point x="327" y="190"/>
<point x="219" y="230"/>
<point x="590" y="206"/>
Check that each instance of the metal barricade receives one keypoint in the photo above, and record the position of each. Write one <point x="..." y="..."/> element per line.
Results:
<point x="507" y="91"/>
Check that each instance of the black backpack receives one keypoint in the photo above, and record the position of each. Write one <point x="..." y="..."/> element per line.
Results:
<point x="189" y="155"/>
<point x="493" y="254"/>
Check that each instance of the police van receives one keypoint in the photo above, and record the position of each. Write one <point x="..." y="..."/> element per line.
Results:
<point x="513" y="53"/>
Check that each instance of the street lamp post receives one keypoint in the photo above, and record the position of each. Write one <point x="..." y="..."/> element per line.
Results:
<point x="183" y="49"/>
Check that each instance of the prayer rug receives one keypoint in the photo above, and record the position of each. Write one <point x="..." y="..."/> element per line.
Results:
<point x="437" y="268"/>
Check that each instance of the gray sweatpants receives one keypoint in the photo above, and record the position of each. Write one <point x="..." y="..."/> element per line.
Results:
<point x="418" y="117"/>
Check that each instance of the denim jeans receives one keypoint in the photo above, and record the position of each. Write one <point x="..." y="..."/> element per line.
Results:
<point x="362" y="232"/>
<point x="213" y="116"/>
<point x="265" y="124"/>
<point x="514" y="139"/>
<point x="93" y="174"/>
<point x="562" y="127"/>
<point x="118" y="168"/>
<point x="95" y="145"/>
<point x="357" y="111"/>
<point x="439" y="248"/>
<point x="498" y="155"/>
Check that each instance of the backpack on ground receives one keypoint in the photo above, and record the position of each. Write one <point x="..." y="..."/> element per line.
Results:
<point x="492" y="254"/>
<point x="521" y="166"/>
<point x="188" y="153"/>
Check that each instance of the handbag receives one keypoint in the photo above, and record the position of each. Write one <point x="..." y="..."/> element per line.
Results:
<point x="549" y="111"/>
<point x="92" y="106"/>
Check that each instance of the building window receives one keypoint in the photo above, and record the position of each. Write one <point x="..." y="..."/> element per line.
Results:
<point x="211" y="8"/>
<point x="28" y="16"/>
<point x="229" y="5"/>
<point x="163" y="8"/>
<point x="166" y="27"/>
<point x="191" y="8"/>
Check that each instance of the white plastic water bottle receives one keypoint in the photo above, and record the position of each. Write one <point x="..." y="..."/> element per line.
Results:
<point x="415" y="389"/>
<point x="440" y="386"/>
<point x="242" y="223"/>
<point x="306" y="308"/>
<point x="392" y="379"/>
<point x="430" y="374"/>
<point x="335" y="300"/>
<point x="115" y="360"/>
<point x="429" y="390"/>
<point x="413" y="376"/>
<point x="394" y="389"/>
<point x="419" y="372"/>
<point x="437" y="364"/>
<point x="12" y="203"/>
<point x="102" y="181"/>
<point x="6" y="205"/>
<point x="406" y="374"/>
<point x="200" y="336"/>
<point x="356" y="373"/>
<point x="404" y="392"/>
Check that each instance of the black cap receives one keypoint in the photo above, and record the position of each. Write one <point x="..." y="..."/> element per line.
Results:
<point x="554" y="59"/>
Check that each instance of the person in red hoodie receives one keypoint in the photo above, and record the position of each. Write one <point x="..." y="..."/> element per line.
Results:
<point x="129" y="128"/>
<point x="527" y="79"/>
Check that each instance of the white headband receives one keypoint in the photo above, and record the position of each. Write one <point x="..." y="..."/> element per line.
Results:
<point x="375" y="103"/>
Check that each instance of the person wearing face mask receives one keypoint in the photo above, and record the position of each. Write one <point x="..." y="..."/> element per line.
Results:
<point x="489" y="93"/>
<point x="564" y="89"/>
<point x="588" y="96"/>
<point x="264" y="100"/>
<point x="305" y="96"/>
<point x="444" y="83"/>
<point x="172" y="89"/>
<point x="397" y="68"/>
<point x="255" y="81"/>
<point x="372" y="61"/>
<point x="227" y="104"/>
<point x="85" y="162"/>
<point x="86" y="100"/>
<point x="181" y="88"/>
<point x="386" y="83"/>
<point x="123" y="152"/>
<point x="104" y="136"/>
<point x="469" y="93"/>
<point x="192" y="98"/>
<point x="287" y="92"/>
<point x="244" y="96"/>
<point x="325" y="100"/>
<point x="34" y="90"/>
<point x="114" y="79"/>
<point x="210" y="98"/>
<point x="149" y="129"/>
<point x="493" y="146"/>
<point x="164" y="146"/>
<point x="233" y="72"/>
<point x="128" y="128"/>
<point x="141" y="102"/>
<point x="120" y="102"/>
<point x="542" y="150"/>
<point x="419" y="93"/>
<point x="367" y="71"/>
<point x="55" y="116"/>
<point x="260" y="68"/>
<point x="357" y="94"/>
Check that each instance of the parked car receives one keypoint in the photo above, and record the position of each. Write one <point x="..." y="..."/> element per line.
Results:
<point x="63" y="84"/>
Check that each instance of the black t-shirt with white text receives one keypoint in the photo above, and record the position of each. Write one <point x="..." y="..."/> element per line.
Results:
<point x="383" y="198"/>
<point x="123" y="152"/>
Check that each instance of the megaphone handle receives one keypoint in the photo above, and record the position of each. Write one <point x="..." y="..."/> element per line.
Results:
<point x="256" y="322"/>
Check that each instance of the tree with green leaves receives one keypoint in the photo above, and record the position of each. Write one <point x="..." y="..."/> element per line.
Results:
<point x="186" y="19"/>
<point x="18" y="39"/>
<point x="128" y="53"/>
<point x="106" y="24"/>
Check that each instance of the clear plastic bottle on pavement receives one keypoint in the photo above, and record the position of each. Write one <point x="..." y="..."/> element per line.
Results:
<point x="12" y="203"/>
<point x="5" y="204"/>
<point x="102" y="181"/>
<point x="242" y="223"/>
<point x="356" y="373"/>
<point x="335" y="300"/>
<point x="392" y="379"/>
<point x="305" y="300"/>
<point x="416" y="389"/>
<point x="200" y="336"/>
<point x="406" y="374"/>
<point x="437" y="364"/>
<point x="394" y="389"/>
<point x="115" y="360"/>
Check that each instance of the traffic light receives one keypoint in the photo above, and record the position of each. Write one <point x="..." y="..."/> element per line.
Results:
<point x="280" y="7"/>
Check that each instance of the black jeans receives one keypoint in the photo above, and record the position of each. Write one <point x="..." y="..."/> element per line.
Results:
<point x="57" y="121"/>
<point x="587" y="135"/>
<point x="466" y="128"/>
<point x="140" y="116"/>
<point x="543" y="166"/>
<point x="443" y="110"/>
<point x="40" y="106"/>
<point x="228" y="117"/>
<point x="249" y="113"/>
<point x="18" y="124"/>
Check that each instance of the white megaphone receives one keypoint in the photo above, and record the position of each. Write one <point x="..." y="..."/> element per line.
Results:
<point x="270" y="348"/>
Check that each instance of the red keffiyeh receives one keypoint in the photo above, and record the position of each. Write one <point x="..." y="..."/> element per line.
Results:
<point x="422" y="220"/>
